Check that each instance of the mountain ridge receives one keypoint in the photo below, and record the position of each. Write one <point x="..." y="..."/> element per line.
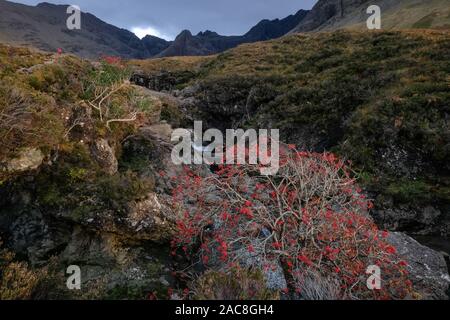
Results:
<point x="44" y="27"/>
<point x="209" y="42"/>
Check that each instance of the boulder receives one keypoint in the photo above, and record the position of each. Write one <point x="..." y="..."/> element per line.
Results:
<point x="32" y="234"/>
<point x="151" y="218"/>
<point x="426" y="220"/>
<point x="104" y="155"/>
<point x="28" y="159"/>
<point x="107" y="263"/>
<point x="160" y="132"/>
<point x="427" y="268"/>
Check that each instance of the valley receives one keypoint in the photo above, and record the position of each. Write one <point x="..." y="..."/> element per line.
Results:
<point x="87" y="179"/>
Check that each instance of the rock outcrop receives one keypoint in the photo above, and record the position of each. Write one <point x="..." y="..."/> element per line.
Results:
<point x="29" y="159"/>
<point x="425" y="221"/>
<point x="117" y="250"/>
<point x="427" y="268"/>
<point x="208" y="42"/>
<point x="105" y="156"/>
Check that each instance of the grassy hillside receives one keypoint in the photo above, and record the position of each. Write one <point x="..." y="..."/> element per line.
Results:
<point x="380" y="99"/>
<point x="417" y="14"/>
<point x="170" y="64"/>
<point x="435" y="15"/>
<point x="329" y="15"/>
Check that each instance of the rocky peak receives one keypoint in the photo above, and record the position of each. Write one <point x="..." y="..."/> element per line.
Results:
<point x="184" y="34"/>
<point x="326" y="10"/>
<point x="207" y="33"/>
<point x="271" y="29"/>
<point x="45" y="5"/>
<point x="210" y="42"/>
<point x="154" y="45"/>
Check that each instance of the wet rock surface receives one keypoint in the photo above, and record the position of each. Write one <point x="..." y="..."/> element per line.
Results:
<point x="423" y="221"/>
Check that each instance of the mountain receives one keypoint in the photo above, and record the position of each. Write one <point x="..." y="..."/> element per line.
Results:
<point x="204" y="43"/>
<point x="208" y="42"/>
<point x="272" y="29"/>
<point x="44" y="27"/>
<point x="331" y="15"/>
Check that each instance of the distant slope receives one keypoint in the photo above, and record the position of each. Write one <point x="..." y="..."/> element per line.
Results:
<point x="44" y="27"/>
<point x="208" y="42"/>
<point x="396" y="14"/>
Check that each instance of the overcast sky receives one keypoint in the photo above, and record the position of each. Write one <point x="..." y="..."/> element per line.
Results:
<point x="166" y="18"/>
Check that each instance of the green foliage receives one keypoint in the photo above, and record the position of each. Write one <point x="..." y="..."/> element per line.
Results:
<point x="121" y="189"/>
<point x="144" y="104"/>
<point x="13" y="59"/>
<point x="75" y="183"/>
<point x="77" y="174"/>
<point x="110" y="73"/>
<point x="409" y="191"/>
<point x="27" y="121"/>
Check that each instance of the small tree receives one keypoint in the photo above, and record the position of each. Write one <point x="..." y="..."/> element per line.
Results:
<point x="105" y="90"/>
<point x="310" y="218"/>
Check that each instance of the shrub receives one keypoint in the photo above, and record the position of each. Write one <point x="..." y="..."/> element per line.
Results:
<point x="26" y="121"/>
<point x="108" y="92"/>
<point x="17" y="282"/>
<point x="314" y="286"/>
<point x="310" y="218"/>
<point x="237" y="284"/>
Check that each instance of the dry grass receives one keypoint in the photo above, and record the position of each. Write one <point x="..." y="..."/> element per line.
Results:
<point x="172" y="64"/>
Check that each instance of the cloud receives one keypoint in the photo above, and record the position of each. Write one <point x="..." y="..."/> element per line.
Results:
<point x="141" y="32"/>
